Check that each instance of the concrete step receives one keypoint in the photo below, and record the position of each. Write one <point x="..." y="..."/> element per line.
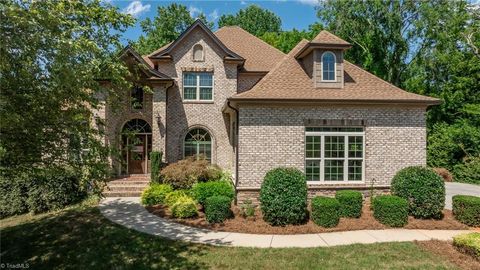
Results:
<point x="126" y="188"/>
<point x="128" y="182"/>
<point x="121" y="194"/>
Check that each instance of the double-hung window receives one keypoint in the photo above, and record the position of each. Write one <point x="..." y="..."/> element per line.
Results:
<point x="197" y="86"/>
<point x="334" y="154"/>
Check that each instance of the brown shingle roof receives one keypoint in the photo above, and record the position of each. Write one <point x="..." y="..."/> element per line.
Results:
<point x="288" y="81"/>
<point x="259" y="55"/>
<point x="326" y="37"/>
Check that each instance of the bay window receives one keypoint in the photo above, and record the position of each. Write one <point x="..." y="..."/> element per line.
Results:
<point x="334" y="154"/>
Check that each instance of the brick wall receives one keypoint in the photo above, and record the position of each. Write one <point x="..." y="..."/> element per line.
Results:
<point x="395" y="137"/>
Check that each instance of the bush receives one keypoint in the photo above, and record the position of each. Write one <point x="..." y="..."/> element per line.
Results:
<point x="444" y="174"/>
<point x="156" y="163"/>
<point x="390" y="210"/>
<point x="468" y="172"/>
<point x="217" y="209"/>
<point x="185" y="207"/>
<point x="423" y="189"/>
<point x="13" y="195"/>
<point x="202" y="191"/>
<point x="283" y="197"/>
<point x="351" y="203"/>
<point x="155" y="194"/>
<point x="185" y="173"/>
<point x="247" y="209"/>
<point x="326" y="211"/>
<point x="172" y="197"/>
<point x="468" y="243"/>
<point x="466" y="209"/>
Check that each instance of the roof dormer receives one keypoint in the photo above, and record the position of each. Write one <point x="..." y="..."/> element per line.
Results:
<point x="325" y="53"/>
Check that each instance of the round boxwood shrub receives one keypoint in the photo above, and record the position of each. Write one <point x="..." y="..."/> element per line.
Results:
<point x="423" y="189"/>
<point x="202" y="191"/>
<point x="351" y="203"/>
<point x="172" y="197"/>
<point x="325" y="211"/>
<point x="390" y="210"/>
<point x="283" y="197"/>
<point x="155" y="194"/>
<point x="185" y="207"/>
<point x="217" y="209"/>
<point x="466" y="209"/>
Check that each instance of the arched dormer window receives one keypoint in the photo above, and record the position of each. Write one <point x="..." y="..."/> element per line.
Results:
<point x="198" y="54"/>
<point x="328" y="67"/>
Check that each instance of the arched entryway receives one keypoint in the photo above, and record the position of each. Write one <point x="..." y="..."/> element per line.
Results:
<point x="136" y="146"/>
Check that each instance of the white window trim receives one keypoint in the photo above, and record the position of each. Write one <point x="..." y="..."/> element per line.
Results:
<point x="322" y="135"/>
<point x="334" y="67"/>
<point x="197" y="99"/>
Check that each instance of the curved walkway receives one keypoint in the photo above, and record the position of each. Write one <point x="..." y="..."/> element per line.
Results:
<point x="129" y="213"/>
<point x="453" y="188"/>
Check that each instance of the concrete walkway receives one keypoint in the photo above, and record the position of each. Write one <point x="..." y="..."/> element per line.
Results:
<point x="128" y="212"/>
<point x="453" y="188"/>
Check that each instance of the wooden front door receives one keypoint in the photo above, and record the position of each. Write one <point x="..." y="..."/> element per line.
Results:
<point x="137" y="155"/>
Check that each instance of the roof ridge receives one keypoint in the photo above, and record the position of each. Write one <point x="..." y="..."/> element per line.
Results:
<point x="261" y="40"/>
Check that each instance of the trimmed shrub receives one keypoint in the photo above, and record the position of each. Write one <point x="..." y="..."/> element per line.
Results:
<point x="283" y="197"/>
<point x="390" y="210"/>
<point x="466" y="209"/>
<point x="247" y="209"/>
<point x="185" y="173"/>
<point x="172" y="197"/>
<point x="351" y="202"/>
<point x="444" y="173"/>
<point x="468" y="243"/>
<point x="217" y="209"/>
<point x="326" y="211"/>
<point x="185" y="207"/>
<point x="423" y="189"/>
<point x="156" y="164"/>
<point x="155" y="194"/>
<point x="202" y="191"/>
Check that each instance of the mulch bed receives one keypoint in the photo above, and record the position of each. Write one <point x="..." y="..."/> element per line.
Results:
<point x="447" y="250"/>
<point x="256" y="225"/>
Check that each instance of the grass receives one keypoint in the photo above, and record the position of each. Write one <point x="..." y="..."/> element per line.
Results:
<point x="80" y="237"/>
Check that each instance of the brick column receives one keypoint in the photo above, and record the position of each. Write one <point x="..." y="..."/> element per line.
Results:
<point x="159" y="118"/>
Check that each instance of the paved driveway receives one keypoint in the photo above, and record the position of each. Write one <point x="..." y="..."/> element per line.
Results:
<point x="459" y="188"/>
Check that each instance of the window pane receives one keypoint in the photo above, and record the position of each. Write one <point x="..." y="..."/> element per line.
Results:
<point x="189" y="93"/>
<point x="206" y="93"/>
<point x="312" y="170"/>
<point x="313" y="147"/>
<point x="355" y="170"/>
<point x="189" y="79"/>
<point x="355" y="146"/>
<point x="333" y="170"/>
<point x="206" y="79"/>
<point x="190" y="149"/>
<point x="328" y="66"/>
<point x="334" y="146"/>
<point x="205" y="149"/>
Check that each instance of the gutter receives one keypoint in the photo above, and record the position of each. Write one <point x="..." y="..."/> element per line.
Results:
<point x="236" y="145"/>
<point x="336" y="101"/>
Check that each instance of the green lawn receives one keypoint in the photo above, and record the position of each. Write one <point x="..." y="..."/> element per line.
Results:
<point x="79" y="237"/>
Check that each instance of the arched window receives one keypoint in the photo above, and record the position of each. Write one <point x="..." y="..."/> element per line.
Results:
<point x="198" y="143"/>
<point x="328" y="66"/>
<point x="136" y="126"/>
<point x="136" y="98"/>
<point x="198" y="52"/>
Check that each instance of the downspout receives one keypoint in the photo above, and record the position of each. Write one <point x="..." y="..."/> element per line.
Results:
<point x="236" y="147"/>
<point x="166" y="117"/>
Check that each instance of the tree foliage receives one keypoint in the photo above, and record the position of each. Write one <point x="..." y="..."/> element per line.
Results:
<point x="167" y="25"/>
<point x="254" y="20"/>
<point x="53" y="54"/>
<point x="286" y="40"/>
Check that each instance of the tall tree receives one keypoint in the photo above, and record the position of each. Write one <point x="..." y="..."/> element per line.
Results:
<point x="253" y="19"/>
<point x="167" y="25"/>
<point x="286" y="40"/>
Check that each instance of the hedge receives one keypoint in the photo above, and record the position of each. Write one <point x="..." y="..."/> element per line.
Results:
<point x="468" y="243"/>
<point x="185" y="207"/>
<point x="202" y="191"/>
<point x="155" y="194"/>
<point x="466" y="209"/>
<point x="326" y="211"/>
<point x="390" y="210"/>
<point x="351" y="203"/>
<point x="423" y="189"/>
<point x="283" y="197"/>
<point x="217" y="209"/>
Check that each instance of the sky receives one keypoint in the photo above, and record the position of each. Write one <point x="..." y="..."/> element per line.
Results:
<point x="297" y="14"/>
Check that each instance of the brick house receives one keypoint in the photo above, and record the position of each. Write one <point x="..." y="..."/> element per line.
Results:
<point x="249" y="108"/>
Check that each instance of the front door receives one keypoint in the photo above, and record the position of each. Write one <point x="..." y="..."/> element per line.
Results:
<point x="137" y="155"/>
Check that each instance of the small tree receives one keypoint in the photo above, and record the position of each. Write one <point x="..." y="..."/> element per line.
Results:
<point x="156" y="164"/>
